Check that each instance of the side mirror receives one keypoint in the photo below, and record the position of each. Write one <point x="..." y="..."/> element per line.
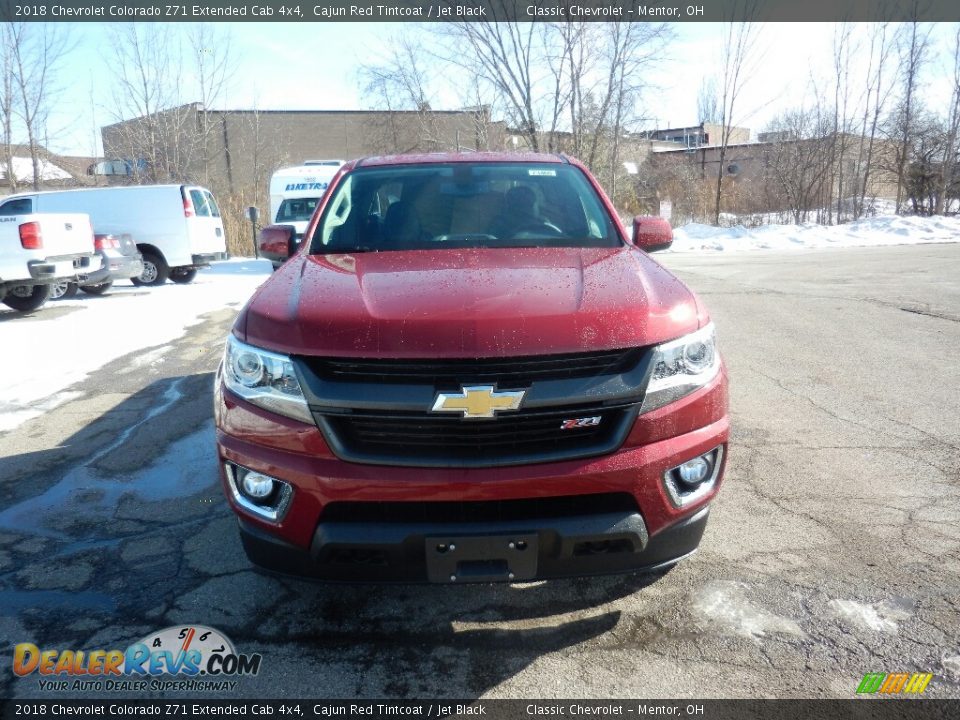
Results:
<point x="278" y="242"/>
<point x="652" y="233"/>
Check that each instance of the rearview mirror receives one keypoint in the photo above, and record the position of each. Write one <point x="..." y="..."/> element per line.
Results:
<point x="278" y="242"/>
<point x="652" y="233"/>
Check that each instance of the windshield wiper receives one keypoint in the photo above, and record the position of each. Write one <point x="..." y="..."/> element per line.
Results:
<point x="350" y="251"/>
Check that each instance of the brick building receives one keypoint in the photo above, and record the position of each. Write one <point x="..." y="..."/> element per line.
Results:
<point x="233" y="150"/>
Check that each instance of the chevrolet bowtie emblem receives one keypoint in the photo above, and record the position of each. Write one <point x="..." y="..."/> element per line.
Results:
<point x="479" y="401"/>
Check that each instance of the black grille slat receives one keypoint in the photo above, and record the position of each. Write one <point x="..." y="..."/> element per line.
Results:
<point x="406" y="437"/>
<point x="448" y="437"/>
<point x="505" y="371"/>
<point x="464" y="430"/>
<point x="511" y="438"/>
<point x="478" y="510"/>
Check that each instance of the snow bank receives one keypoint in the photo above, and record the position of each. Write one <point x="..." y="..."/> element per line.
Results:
<point x="67" y="340"/>
<point x="883" y="230"/>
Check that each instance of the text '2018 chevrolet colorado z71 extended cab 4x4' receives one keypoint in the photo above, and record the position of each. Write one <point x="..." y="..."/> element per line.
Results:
<point x="468" y="372"/>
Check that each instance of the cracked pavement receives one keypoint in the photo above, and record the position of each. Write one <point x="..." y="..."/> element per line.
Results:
<point x="832" y="551"/>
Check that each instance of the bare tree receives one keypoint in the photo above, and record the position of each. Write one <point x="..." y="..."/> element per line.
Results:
<point x="504" y="54"/>
<point x="400" y="85"/>
<point x="708" y="106"/>
<point x="737" y="55"/>
<point x="252" y="152"/>
<point x="484" y="104"/>
<point x="569" y="66"/>
<point x="951" y="149"/>
<point x="7" y="100"/>
<point x="212" y="59"/>
<point x="34" y="54"/>
<point x="877" y="91"/>
<point x="571" y="86"/>
<point x="913" y="44"/>
<point x="843" y="47"/>
<point x="147" y="67"/>
<point x="922" y="179"/>
<point x="567" y="86"/>
<point x="631" y="48"/>
<point x="798" y="165"/>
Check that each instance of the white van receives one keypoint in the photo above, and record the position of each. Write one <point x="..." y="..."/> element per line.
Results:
<point x="295" y="192"/>
<point x="177" y="228"/>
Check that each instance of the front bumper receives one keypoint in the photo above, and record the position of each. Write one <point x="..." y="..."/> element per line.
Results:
<point x="311" y="539"/>
<point x="563" y="547"/>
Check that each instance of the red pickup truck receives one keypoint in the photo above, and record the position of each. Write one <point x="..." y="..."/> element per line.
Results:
<point x="469" y="372"/>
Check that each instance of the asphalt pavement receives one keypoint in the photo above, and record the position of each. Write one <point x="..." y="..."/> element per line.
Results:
<point x="833" y="550"/>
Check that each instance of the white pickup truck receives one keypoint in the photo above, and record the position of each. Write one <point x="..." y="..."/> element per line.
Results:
<point x="38" y="249"/>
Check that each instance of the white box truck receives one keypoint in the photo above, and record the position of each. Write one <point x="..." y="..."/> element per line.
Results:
<point x="295" y="192"/>
<point x="177" y="228"/>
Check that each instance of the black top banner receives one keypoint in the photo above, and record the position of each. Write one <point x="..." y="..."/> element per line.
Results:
<point x="478" y="10"/>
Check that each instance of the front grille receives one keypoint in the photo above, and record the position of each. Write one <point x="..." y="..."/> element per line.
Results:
<point x="378" y="411"/>
<point x="506" y="372"/>
<point x="479" y="511"/>
<point x="425" y="440"/>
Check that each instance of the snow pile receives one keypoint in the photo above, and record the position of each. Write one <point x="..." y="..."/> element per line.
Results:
<point x="23" y="170"/>
<point x="724" y="603"/>
<point x="879" y="618"/>
<point x="883" y="230"/>
<point x="67" y="340"/>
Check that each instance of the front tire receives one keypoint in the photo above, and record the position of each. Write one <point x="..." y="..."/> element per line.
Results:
<point x="183" y="275"/>
<point x="155" y="271"/>
<point x="27" y="298"/>
<point x="100" y="289"/>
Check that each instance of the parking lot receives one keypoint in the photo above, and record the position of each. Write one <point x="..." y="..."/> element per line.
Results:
<point x="833" y="550"/>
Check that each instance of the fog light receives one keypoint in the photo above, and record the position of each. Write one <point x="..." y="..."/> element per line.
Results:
<point x="694" y="472"/>
<point x="266" y="497"/>
<point x="695" y="479"/>
<point x="256" y="485"/>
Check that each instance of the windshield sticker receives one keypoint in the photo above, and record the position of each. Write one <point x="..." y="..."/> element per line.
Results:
<point x="543" y="173"/>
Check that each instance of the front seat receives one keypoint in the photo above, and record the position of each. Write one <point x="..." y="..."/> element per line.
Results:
<point x="401" y="226"/>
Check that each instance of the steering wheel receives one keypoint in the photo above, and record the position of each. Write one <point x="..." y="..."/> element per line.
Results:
<point x="544" y="227"/>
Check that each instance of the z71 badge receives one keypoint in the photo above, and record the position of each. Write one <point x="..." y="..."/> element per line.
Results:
<point x="575" y="423"/>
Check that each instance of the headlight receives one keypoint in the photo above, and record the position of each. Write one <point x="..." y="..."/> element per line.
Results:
<point x="681" y="366"/>
<point x="265" y="379"/>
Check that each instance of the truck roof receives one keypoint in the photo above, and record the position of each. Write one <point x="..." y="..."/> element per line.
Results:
<point x="455" y="157"/>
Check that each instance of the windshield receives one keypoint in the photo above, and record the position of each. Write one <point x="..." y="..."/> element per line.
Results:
<point x="296" y="210"/>
<point x="434" y="206"/>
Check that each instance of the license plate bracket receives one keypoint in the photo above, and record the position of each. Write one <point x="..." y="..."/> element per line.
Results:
<point x="481" y="558"/>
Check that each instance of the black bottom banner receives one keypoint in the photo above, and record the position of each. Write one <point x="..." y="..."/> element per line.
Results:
<point x="873" y="708"/>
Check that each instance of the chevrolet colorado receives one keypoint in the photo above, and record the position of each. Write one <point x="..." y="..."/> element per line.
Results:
<point x="468" y="371"/>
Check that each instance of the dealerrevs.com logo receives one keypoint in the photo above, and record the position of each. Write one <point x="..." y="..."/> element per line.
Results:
<point x="197" y="658"/>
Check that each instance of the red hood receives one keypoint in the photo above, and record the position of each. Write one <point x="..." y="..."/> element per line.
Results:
<point x="468" y="303"/>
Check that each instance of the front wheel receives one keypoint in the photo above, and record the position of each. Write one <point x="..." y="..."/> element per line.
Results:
<point x="183" y="275"/>
<point x="63" y="289"/>
<point x="27" y="298"/>
<point x="100" y="289"/>
<point x="155" y="271"/>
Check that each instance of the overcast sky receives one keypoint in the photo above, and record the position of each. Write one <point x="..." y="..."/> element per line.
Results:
<point x="314" y="66"/>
